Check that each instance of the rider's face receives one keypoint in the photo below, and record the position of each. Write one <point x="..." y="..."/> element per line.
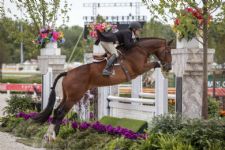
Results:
<point x="137" y="32"/>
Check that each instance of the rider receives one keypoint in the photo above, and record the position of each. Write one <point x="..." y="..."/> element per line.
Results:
<point x="125" y="38"/>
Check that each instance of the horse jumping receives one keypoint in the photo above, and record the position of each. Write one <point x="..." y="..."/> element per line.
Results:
<point x="78" y="80"/>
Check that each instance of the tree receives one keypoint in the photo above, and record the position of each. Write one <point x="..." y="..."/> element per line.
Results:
<point x="71" y="35"/>
<point x="166" y="8"/>
<point x="43" y="13"/>
<point x="216" y="40"/>
<point x="11" y="37"/>
<point x="157" y="29"/>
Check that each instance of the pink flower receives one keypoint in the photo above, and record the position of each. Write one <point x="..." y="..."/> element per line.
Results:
<point x="55" y="35"/>
<point x="44" y="35"/>
<point x="93" y="34"/>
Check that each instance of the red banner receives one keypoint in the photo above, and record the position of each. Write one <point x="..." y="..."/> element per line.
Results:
<point x="218" y="91"/>
<point x="20" y="87"/>
<point x="38" y="88"/>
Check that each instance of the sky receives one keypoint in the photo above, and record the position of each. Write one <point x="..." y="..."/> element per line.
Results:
<point x="78" y="11"/>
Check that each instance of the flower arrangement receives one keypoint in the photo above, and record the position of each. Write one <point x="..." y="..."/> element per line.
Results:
<point x="47" y="35"/>
<point x="102" y="27"/>
<point x="95" y="125"/>
<point x="188" y="22"/>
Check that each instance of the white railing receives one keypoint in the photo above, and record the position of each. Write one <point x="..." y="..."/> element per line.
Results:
<point x="135" y="107"/>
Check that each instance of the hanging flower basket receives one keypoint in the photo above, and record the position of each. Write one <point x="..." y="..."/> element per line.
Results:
<point x="102" y="27"/>
<point x="48" y="35"/>
<point x="188" y="22"/>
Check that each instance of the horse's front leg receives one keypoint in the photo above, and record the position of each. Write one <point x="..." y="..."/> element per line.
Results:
<point x="149" y="66"/>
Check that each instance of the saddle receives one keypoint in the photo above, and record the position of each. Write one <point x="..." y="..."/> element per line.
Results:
<point x="100" y="57"/>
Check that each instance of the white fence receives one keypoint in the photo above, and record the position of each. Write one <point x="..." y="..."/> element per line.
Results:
<point x="135" y="108"/>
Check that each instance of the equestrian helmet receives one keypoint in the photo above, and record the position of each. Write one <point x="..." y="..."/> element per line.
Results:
<point x="134" y="25"/>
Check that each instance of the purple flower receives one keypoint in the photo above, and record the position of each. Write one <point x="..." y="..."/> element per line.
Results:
<point x="74" y="125"/>
<point x="49" y="120"/>
<point x="110" y="129"/>
<point x="33" y="114"/>
<point x="84" y="126"/>
<point x="96" y="125"/>
<point x="20" y="114"/>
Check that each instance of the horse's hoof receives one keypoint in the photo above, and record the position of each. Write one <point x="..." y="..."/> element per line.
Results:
<point x="49" y="137"/>
<point x="50" y="134"/>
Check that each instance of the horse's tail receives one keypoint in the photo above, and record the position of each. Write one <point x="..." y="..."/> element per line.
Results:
<point x="44" y="115"/>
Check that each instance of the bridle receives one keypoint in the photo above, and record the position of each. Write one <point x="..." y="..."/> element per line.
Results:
<point x="165" y="52"/>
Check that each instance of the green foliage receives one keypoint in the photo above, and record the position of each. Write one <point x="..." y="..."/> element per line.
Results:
<point x="65" y="131"/>
<point x="132" y="124"/>
<point x="44" y="13"/>
<point x="71" y="34"/>
<point x="172" y="142"/>
<point x="10" y="38"/>
<point x="216" y="39"/>
<point x="157" y="29"/>
<point x="121" y="144"/>
<point x="9" y="123"/>
<point x="203" y="134"/>
<point x="169" y="124"/>
<point x="213" y="107"/>
<point x="88" y="140"/>
<point x="195" y="134"/>
<point x="18" y="104"/>
<point x="32" y="79"/>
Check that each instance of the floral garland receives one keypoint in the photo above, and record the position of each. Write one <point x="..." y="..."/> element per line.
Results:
<point x="102" y="27"/>
<point x="47" y="35"/>
<point x="95" y="125"/>
<point x="187" y="23"/>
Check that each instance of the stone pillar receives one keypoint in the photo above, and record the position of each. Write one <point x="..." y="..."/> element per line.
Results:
<point x="188" y="64"/>
<point x="50" y="57"/>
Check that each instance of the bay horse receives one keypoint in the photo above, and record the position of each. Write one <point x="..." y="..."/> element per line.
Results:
<point x="78" y="80"/>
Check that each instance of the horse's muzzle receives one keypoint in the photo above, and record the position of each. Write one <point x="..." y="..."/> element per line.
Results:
<point x="167" y="67"/>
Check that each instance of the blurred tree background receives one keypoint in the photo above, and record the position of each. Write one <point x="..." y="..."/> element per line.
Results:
<point x="10" y="38"/>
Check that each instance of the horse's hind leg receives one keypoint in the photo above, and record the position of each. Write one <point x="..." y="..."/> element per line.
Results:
<point x="59" y="113"/>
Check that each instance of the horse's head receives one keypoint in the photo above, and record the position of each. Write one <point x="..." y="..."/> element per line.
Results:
<point x="160" y="48"/>
<point x="164" y="55"/>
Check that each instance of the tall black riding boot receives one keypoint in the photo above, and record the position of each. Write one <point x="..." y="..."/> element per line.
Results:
<point x="106" y="71"/>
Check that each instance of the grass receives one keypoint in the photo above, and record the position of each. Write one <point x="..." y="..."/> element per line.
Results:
<point x="21" y="79"/>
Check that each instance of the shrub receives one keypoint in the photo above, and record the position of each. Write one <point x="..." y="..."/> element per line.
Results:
<point x="213" y="107"/>
<point x="166" y="124"/>
<point x="203" y="134"/>
<point x="119" y="144"/>
<point x="65" y="131"/>
<point x="18" y="104"/>
<point x="9" y="123"/>
<point x="171" y="142"/>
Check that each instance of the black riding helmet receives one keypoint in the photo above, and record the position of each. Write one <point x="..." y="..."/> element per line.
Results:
<point x="134" y="25"/>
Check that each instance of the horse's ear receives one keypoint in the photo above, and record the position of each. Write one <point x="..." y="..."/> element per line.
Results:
<point x="170" y="42"/>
